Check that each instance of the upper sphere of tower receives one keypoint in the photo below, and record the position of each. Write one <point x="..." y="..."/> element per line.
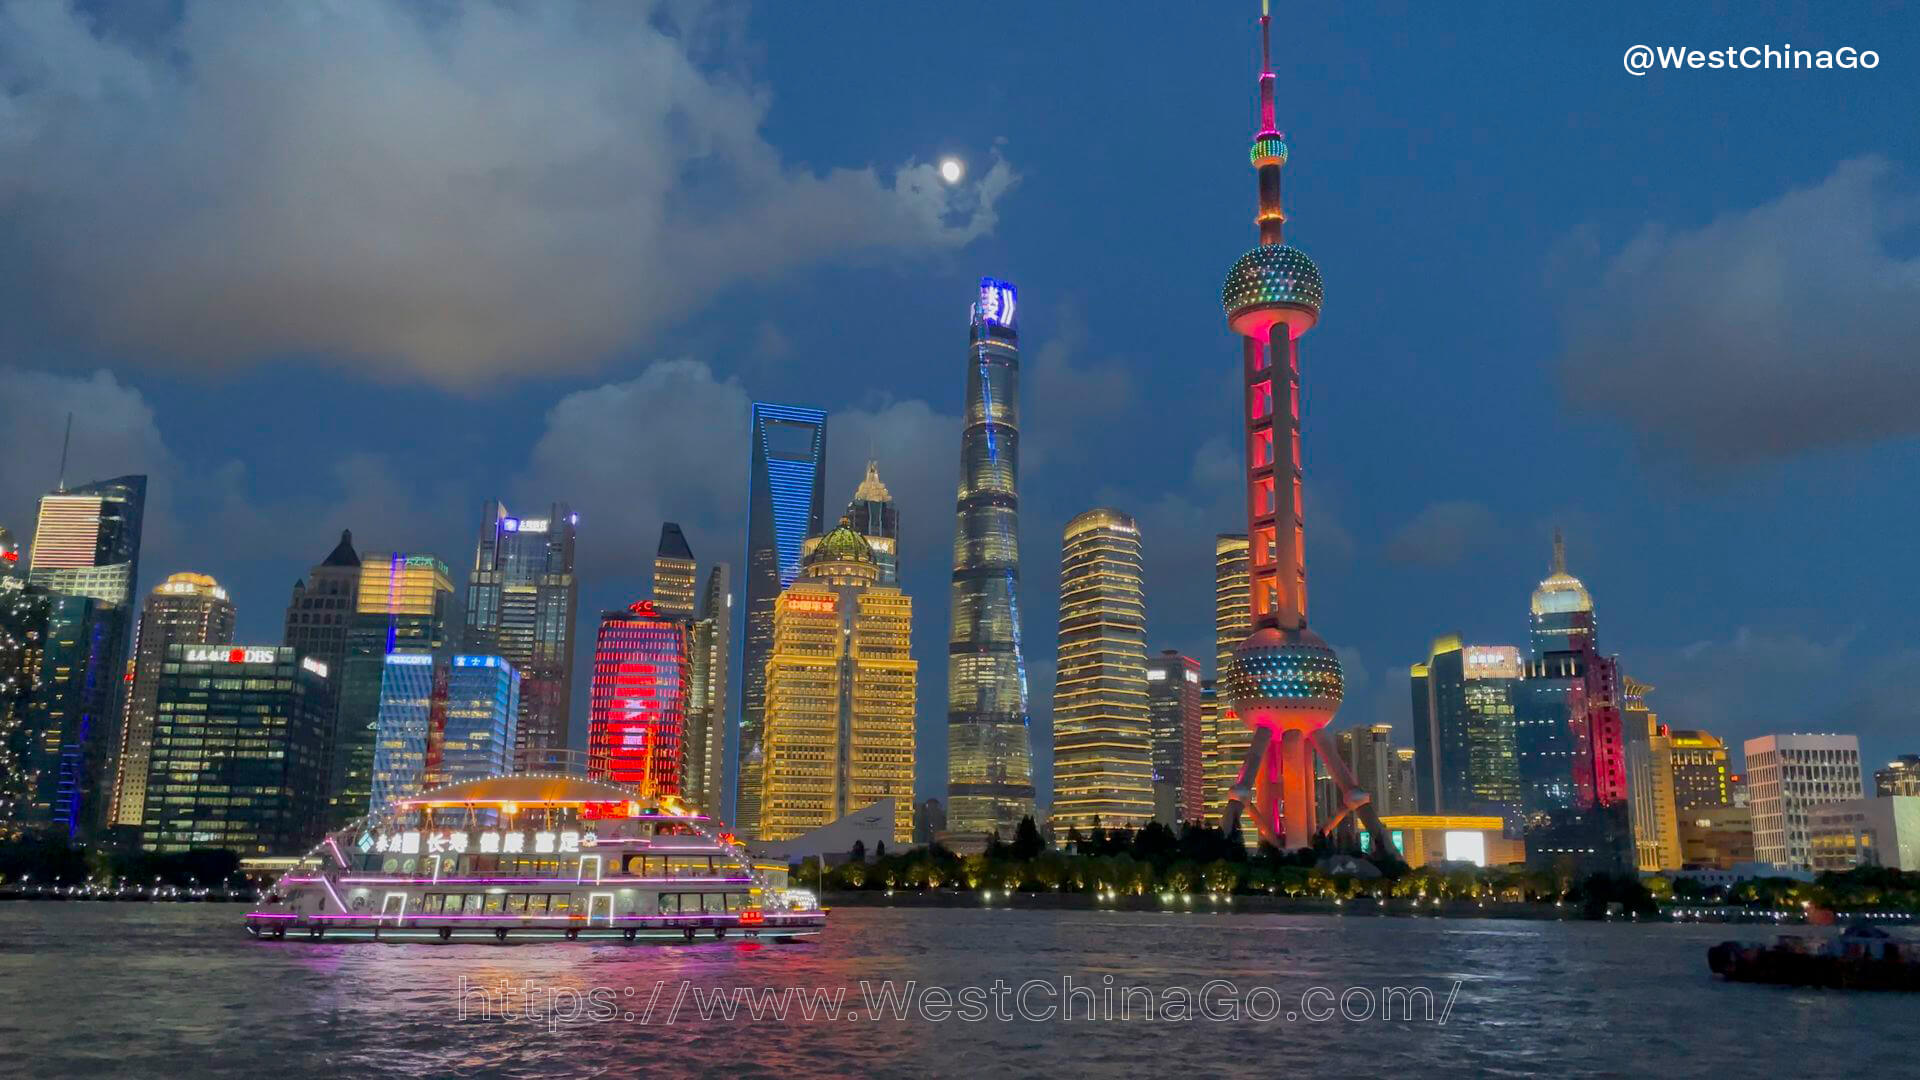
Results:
<point x="1269" y="148"/>
<point x="1272" y="283"/>
<point x="1285" y="671"/>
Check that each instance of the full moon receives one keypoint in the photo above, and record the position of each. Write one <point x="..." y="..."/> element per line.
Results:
<point x="951" y="170"/>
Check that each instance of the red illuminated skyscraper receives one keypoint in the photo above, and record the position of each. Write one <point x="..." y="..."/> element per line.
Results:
<point x="640" y="681"/>
<point x="1284" y="682"/>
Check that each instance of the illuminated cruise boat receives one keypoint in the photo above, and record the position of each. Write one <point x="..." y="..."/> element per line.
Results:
<point x="538" y="857"/>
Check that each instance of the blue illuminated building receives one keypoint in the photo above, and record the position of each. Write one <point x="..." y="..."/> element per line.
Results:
<point x="405" y="727"/>
<point x="483" y="704"/>
<point x="784" y="490"/>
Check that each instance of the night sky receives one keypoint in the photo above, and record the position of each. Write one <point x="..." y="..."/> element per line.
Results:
<point x="365" y="268"/>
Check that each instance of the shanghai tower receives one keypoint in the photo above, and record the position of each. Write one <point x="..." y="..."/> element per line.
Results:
<point x="989" y="770"/>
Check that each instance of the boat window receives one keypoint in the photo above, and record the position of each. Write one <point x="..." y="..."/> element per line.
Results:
<point x="537" y="904"/>
<point x="495" y="901"/>
<point x="557" y="903"/>
<point x="432" y="903"/>
<point x="473" y="902"/>
<point x="517" y="904"/>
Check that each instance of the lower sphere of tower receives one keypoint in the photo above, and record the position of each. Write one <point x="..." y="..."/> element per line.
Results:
<point x="1292" y="674"/>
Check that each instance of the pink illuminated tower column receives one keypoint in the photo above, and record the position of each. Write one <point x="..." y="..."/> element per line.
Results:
<point x="1284" y="682"/>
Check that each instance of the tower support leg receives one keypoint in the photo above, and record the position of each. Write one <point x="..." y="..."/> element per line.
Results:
<point x="1244" y="783"/>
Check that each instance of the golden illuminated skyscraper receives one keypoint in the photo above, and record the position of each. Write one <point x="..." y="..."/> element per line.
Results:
<point x="838" y="733"/>
<point x="674" y="573"/>
<point x="1102" y="734"/>
<point x="1656" y="820"/>
<point x="1227" y="738"/>
<point x="185" y="609"/>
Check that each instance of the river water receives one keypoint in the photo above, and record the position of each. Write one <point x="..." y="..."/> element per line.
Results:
<point x="180" y="990"/>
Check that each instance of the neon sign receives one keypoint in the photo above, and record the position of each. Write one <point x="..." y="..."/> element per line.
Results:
<point x="998" y="299"/>
<point x="221" y="654"/>
<point x="315" y="666"/>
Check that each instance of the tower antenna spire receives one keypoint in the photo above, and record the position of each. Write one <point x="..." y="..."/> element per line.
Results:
<point x="1559" y="552"/>
<point x="65" y="443"/>
<point x="1266" y="69"/>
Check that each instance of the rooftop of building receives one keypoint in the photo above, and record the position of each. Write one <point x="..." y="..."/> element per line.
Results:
<point x="673" y="543"/>
<point x="342" y="553"/>
<point x="1560" y="593"/>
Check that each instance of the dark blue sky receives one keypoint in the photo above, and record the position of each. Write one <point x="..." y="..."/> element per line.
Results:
<point x="380" y="273"/>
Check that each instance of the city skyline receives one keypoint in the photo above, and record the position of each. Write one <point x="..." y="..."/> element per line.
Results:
<point x="1401" y="558"/>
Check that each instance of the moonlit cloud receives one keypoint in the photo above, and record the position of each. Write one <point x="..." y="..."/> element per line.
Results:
<point x="416" y="192"/>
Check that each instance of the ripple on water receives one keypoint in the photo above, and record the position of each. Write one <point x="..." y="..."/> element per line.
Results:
<point x="93" y="989"/>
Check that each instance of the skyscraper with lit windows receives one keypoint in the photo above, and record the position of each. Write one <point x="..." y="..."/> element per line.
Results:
<point x="675" y="572"/>
<point x="412" y="704"/>
<point x="404" y="605"/>
<point x="522" y="597"/>
<point x="1571" y="737"/>
<point x="239" y="751"/>
<point x="1464" y="700"/>
<point x="476" y="737"/>
<point x="638" y="717"/>
<point x="1227" y="738"/>
<point x="1102" y="734"/>
<point x="185" y="609"/>
<point x="1176" y="712"/>
<point x="841" y="687"/>
<point x="989" y="761"/>
<point x="86" y="555"/>
<point x="785" y="488"/>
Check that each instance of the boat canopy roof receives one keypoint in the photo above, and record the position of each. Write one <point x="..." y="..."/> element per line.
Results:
<point x="530" y="789"/>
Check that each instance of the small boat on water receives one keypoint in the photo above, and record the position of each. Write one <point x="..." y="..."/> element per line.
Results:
<point x="1864" y="957"/>
<point x="530" y="858"/>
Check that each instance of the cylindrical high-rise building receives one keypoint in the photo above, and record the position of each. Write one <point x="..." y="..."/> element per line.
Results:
<point x="1284" y="682"/>
<point x="989" y="770"/>
<point x="1102" y="732"/>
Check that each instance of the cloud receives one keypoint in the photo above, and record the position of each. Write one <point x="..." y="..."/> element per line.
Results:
<point x="668" y="445"/>
<point x="1758" y="681"/>
<point x="1766" y="333"/>
<point x="115" y="434"/>
<point x="1443" y="533"/>
<point x="446" y="193"/>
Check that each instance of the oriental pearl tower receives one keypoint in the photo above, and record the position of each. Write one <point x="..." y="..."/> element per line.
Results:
<point x="1284" y="681"/>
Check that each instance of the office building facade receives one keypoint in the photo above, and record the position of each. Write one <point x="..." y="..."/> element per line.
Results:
<point x="521" y="601"/>
<point x="1228" y="740"/>
<point x="1787" y="777"/>
<point x="638" y="715"/>
<point x="239" y="751"/>
<point x="86" y="556"/>
<point x="841" y="689"/>
<point x="1464" y="728"/>
<point x="1102" y="736"/>
<point x="404" y="604"/>
<point x="1176" y="718"/>
<point x="785" y="488"/>
<point x="185" y="609"/>
<point x="475" y="737"/>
